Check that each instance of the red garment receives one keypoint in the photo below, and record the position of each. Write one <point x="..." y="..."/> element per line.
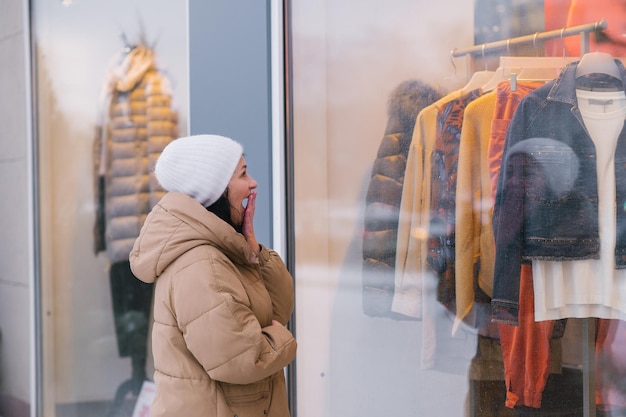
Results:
<point x="555" y="17"/>
<point x="526" y="349"/>
<point x="506" y="104"/>
<point x="567" y="13"/>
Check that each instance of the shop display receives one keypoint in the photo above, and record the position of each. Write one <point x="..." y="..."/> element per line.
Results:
<point x="137" y="123"/>
<point x="498" y="173"/>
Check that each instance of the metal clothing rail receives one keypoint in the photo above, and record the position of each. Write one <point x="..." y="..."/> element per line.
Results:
<point x="582" y="30"/>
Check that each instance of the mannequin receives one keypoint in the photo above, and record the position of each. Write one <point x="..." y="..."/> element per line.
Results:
<point x="136" y="109"/>
<point x="597" y="63"/>
<point x="598" y="72"/>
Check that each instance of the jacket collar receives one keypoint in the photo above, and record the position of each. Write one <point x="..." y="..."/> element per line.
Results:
<point x="564" y="87"/>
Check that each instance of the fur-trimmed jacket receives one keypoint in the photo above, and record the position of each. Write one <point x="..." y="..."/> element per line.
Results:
<point x="384" y="193"/>
<point x="137" y="122"/>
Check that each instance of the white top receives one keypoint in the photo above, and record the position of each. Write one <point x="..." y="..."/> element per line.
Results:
<point x="591" y="287"/>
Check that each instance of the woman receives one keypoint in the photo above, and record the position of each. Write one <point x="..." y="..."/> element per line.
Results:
<point x="221" y="300"/>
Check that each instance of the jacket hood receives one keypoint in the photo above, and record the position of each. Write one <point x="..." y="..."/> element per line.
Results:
<point x="129" y="70"/>
<point x="177" y="224"/>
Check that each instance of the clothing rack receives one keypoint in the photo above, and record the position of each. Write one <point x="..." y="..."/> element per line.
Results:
<point x="582" y="30"/>
<point x="588" y="324"/>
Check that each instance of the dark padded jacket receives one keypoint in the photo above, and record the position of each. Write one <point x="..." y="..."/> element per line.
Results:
<point x="382" y="202"/>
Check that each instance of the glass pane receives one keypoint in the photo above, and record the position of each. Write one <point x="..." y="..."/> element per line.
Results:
<point x="112" y="88"/>
<point x="400" y="131"/>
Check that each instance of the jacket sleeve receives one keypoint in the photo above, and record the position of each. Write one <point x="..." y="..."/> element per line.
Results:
<point x="474" y="257"/>
<point x="161" y="127"/>
<point x="409" y="247"/>
<point x="278" y="282"/>
<point x="508" y="222"/>
<point x="220" y="329"/>
<point x="380" y="225"/>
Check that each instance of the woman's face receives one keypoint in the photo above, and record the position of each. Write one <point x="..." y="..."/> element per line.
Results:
<point x="239" y="188"/>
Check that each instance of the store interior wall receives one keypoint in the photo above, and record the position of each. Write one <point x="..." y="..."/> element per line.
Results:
<point x="15" y="279"/>
<point x="347" y="58"/>
<point x="75" y="45"/>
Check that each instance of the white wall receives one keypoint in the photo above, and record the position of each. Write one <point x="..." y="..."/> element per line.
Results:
<point x="15" y="263"/>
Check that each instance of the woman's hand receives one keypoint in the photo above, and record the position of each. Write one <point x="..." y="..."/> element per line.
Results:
<point x="247" y="227"/>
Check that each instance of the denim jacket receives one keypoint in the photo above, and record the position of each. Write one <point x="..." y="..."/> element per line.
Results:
<point x="547" y="197"/>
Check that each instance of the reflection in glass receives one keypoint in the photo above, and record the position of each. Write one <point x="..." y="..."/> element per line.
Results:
<point x="111" y="94"/>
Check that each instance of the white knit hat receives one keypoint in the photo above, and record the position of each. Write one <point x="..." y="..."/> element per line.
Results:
<point x="200" y="166"/>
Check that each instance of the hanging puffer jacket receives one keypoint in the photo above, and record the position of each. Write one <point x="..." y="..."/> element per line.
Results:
<point x="384" y="193"/>
<point x="138" y="122"/>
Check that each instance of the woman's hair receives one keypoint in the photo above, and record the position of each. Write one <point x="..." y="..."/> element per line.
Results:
<point x="221" y="208"/>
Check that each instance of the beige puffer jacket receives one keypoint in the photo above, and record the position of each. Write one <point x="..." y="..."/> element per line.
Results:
<point x="138" y="122"/>
<point x="215" y="350"/>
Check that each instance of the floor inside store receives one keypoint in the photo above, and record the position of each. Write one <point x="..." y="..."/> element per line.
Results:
<point x="97" y="409"/>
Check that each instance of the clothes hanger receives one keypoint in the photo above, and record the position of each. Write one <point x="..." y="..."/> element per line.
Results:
<point x="479" y="78"/>
<point x="598" y="63"/>
<point x="537" y="68"/>
<point x="598" y="72"/>
<point x="544" y="68"/>
<point x="498" y="75"/>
